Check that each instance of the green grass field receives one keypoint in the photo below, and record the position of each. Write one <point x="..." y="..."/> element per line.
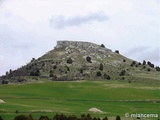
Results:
<point x="111" y="97"/>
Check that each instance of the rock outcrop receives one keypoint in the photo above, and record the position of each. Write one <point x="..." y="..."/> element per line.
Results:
<point x="82" y="47"/>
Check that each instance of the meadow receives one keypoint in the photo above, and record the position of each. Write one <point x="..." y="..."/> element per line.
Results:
<point x="111" y="98"/>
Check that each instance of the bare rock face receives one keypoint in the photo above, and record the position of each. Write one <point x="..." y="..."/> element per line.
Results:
<point x="82" y="47"/>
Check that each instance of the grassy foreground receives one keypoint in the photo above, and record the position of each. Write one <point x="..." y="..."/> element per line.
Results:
<point x="48" y="98"/>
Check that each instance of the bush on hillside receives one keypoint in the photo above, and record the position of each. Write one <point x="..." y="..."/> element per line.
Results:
<point x="102" y="45"/>
<point x="44" y="118"/>
<point x="157" y="68"/>
<point x="88" y="59"/>
<point x="106" y="76"/>
<point x="35" y="73"/>
<point x="133" y="63"/>
<point x="117" y="51"/>
<point x="1" y="118"/>
<point x="21" y="117"/>
<point x="122" y="73"/>
<point x="101" y="66"/>
<point x="118" y="117"/>
<point x="99" y="74"/>
<point x="69" y="61"/>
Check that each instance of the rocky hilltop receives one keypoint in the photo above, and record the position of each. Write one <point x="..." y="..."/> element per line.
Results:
<point x="76" y="60"/>
<point x="82" y="47"/>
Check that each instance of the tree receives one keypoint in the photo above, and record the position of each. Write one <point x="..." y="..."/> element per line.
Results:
<point x="106" y="76"/>
<point x="30" y="117"/>
<point x="51" y="74"/>
<point x="150" y="64"/>
<point x="102" y="45"/>
<point x="133" y="63"/>
<point x="33" y="59"/>
<point x="139" y="63"/>
<point x="157" y="68"/>
<point x="35" y="73"/>
<point x="149" y="69"/>
<point x="1" y="118"/>
<point x="118" y="117"/>
<point x="88" y="59"/>
<point x="117" y="51"/>
<point x="10" y="71"/>
<point x="44" y="118"/>
<point x="122" y="73"/>
<point x="99" y="74"/>
<point x="101" y="66"/>
<point x="21" y="117"/>
<point x="105" y="118"/>
<point x="7" y="73"/>
<point x="81" y="71"/>
<point x="144" y="62"/>
<point x="69" y="61"/>
<point x="3" y="82"/>
<point x="124" y="60"/>
<point x="55" y="67"/>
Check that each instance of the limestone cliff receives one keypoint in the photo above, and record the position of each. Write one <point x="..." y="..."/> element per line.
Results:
<point x="82" y="47"/>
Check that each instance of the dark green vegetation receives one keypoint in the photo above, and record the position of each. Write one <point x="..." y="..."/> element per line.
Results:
<point x="112" y="98"/>
<point x="61" y="117"/>
<point x="71" y="60"/>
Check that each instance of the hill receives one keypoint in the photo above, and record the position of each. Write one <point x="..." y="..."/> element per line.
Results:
<point x="76" y="60"/>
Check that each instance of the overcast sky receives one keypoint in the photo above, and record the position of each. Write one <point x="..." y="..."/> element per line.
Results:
<point x="30" y="28"/>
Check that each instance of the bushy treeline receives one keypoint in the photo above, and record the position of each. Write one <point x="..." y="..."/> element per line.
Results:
<point x="62" y="117"/>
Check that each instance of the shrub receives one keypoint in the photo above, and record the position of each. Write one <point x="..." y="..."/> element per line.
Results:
<point x="117" y="51"/>
<point x="101" y="66"/>
<point x="44" y="118"/>
<point x="144" y="62"/>
<point x="1" y="118"/>
<point x="157" y="68"/>
<point x="4" y="82"/>
<point x="51" y="74"/>
<point x="69" y="61"/>
<point x="105" y="118"/>
<point x="35" y="73"/>
<point x="81" y="71"/>
<point x="30" y="117"/>
<point x="106" y="76"/>
<point x="102" y="45"/>
<point x="99" y="74"/>
<point x="148" y="69"/>
<point x="124" y="60"/>
<point x="88" y="59"/>
<point x="21" y="117"/>
<point x="133" y="63"/>
<point x="118" y="117"/>
<point x="122" y="73"/>
<point x="55" y="67"/>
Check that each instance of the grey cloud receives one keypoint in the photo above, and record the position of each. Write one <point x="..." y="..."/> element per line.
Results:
<point x="1" y="2"/>
<point x="62" y="22"/>
<point x="136" y="50"/>
<point x="145" y="53"/>
<point x="152" y="55"/>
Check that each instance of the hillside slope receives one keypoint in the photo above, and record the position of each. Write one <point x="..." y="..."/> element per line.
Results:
<point x="73" y="60"/>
